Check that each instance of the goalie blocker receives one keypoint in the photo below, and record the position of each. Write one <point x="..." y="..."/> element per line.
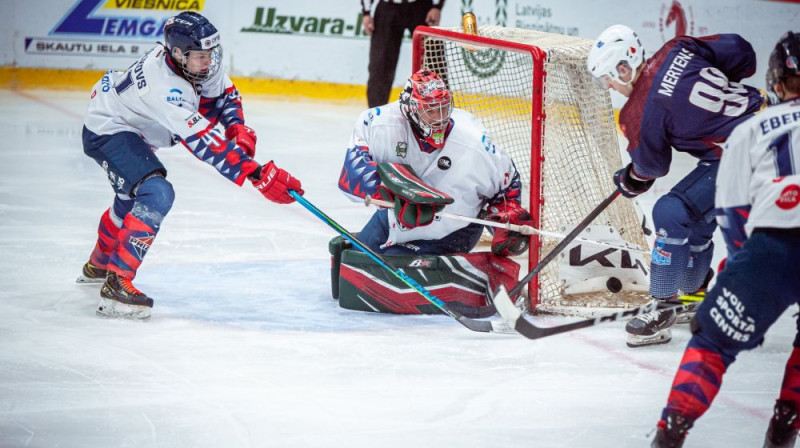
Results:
<point x="466" y="279"/>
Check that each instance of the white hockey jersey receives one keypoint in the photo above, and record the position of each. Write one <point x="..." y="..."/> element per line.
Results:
<point x="470" y="167"/>
<point x="153" y="101"/>
<point x="758" y="185"/>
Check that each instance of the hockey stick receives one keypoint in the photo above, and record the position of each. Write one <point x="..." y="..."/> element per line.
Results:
<point x="525" y="230"/>
<point x="518" y="319"/>
<point x="472" y="324"/>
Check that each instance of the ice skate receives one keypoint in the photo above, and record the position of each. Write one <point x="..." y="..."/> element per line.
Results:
<point x="652" y="328"/>
<point x="782" y="432"/>
<point x="91" y="274"/>
<point x="693" y="300"/>
<point x="120" y="299"/>
<point x="672" y="431"/>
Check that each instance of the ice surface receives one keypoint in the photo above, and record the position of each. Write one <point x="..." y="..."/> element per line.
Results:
<point x="246" y="348"/>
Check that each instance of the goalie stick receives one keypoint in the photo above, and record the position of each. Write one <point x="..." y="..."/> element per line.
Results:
<point x="525" y="230"/>
<point x="473" y="324"/>
<point x="519" y="319"/>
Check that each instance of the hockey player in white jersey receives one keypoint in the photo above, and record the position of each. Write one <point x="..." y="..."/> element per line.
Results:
<point x="177" y="92"/>
<point x="451" y="153"/>
<point x="758" y="209"/>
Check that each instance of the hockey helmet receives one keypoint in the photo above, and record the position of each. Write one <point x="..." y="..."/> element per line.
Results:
<point x="784" y="61"/>
<point x="191" y="32"/>
<point x="427" y="104"/>
<point x="616" y="45"/>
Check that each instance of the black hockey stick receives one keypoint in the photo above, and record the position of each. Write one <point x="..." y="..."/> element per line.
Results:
<point x="474" y="325"/>
<point x="518" y="319"/>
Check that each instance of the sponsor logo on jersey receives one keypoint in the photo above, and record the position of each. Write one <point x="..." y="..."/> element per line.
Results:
<point x="789" y="198"/>
<point x="175" y="97"/>
<point x="277" y="23"/>
<point x="193" y="120"/>
<point x="402" y="149"/>
<point x="444" y="163"/>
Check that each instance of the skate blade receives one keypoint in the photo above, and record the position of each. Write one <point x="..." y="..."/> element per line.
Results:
<point x="83" y="280"/>
<point x="111" y="309"/>
<point x="662" y="337"/>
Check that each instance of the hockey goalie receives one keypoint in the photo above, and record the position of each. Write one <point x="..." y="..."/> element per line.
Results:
<point x="425" y="156"/>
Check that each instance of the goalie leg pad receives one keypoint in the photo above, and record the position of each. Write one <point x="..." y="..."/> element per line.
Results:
<point x="459" y="278"/>
<point x="336" y="246"/>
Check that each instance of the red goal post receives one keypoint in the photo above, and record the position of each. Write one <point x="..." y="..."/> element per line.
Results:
<point x="533" y="94"/>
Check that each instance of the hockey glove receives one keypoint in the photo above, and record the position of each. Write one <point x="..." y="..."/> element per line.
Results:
<point x="408" y="213"/>
<point x="243" y="136"/>
<point x="506" y="242"/>
<point x="629" y="184"/>
<point x="274" y="183"/>
<point x="415" y="203"/>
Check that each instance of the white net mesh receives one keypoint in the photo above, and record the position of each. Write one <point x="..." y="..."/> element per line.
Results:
<point x="579" y="151"/>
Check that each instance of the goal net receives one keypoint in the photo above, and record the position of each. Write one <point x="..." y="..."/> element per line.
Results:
<point x="533" y="94"/>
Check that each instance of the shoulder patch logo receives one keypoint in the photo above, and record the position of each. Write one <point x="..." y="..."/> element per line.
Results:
<point x="401" y="149"/>
<point x="444" y="163"/>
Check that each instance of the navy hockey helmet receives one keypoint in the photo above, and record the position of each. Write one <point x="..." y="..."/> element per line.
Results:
<point x="783" y="62"/>
<point x="191" y="32"/>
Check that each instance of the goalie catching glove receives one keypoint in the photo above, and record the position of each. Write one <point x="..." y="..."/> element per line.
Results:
<point x="415" y="203"/>
<point x="275" y="183"/>
<point x="507" y="242"/>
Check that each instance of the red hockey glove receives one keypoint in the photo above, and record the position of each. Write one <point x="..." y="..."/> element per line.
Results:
<point x="243" y="136"/>
<point x="274" y="184"/>
<point x="506" y="242"/>
<point x="629" y="184"/>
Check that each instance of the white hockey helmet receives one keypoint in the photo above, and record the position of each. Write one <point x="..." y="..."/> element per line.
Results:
<point x="616" y="45"/>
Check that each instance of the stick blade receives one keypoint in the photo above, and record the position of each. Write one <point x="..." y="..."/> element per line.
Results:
<point x="504" y="306"/>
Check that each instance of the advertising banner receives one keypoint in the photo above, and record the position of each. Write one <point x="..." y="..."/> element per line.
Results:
<point x="310" y="40"/>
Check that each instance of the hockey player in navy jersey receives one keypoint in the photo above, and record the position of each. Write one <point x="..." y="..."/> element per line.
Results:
<point x="758" y="210"/>
<point x="686" y="97"/>
<point x="177" y="92"/>
<point x="451" y="153"/>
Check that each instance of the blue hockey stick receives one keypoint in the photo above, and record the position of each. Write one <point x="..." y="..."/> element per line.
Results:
<point x="473" y="324"/>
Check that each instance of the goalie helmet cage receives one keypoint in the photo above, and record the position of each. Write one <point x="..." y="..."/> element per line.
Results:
<point x="533" y="94"/>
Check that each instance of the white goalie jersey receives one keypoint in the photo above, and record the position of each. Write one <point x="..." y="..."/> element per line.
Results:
<point x="470" y="167"/>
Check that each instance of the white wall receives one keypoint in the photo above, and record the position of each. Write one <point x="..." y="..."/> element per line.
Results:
<point x="325" y="45"/>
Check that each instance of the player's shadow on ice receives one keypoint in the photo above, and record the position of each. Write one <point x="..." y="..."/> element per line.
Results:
<point x="268" y="296"/>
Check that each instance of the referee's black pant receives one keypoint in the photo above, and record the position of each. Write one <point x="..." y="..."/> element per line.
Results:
<point x="390" y="21"/>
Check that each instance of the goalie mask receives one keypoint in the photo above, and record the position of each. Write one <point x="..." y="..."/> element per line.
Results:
<point x="426" y="103"/>
<point x="194" y="45"/>
<point x="616" y="45"/>
<point x="783" y="62"/>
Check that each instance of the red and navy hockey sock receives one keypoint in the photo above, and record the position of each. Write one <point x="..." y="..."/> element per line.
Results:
<point x="790" y="389"/>
<point x="107" y="234"/>
<point x="135" y="239"/>
<point x="154" y="199"/>
<point x="696" y="383"/>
